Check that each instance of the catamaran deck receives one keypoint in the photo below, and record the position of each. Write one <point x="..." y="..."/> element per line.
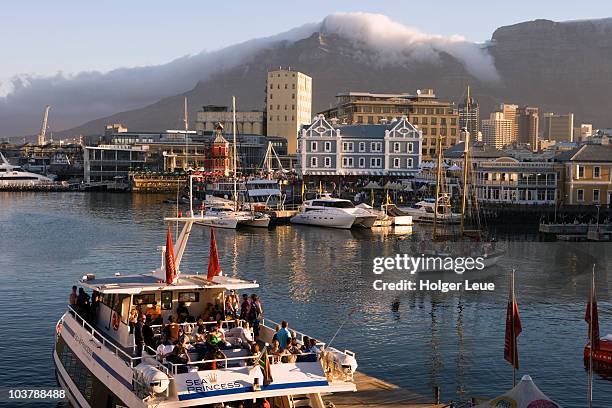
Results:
<point x="372" y="392"/>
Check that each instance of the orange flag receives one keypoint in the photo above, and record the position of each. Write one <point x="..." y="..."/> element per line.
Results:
<point x="170" y="264"/>
<point x="214" y="267"/>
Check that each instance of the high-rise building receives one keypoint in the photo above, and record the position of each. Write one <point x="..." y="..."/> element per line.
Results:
<point x="288" y="104"/>
<point x="583" y="132"/>
<point x="511" y="113"/>
<point x="559" y="128"/>
<point x="469" y="117"/>
<point x="428" y="114"/>
<point x="497" y="130"/>
<point x="529" y="126"/>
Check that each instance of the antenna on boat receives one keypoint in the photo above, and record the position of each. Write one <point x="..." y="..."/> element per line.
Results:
<point x="186" y="123"/>
<point x="348" y="317"/>
<point x="234" y="155"/>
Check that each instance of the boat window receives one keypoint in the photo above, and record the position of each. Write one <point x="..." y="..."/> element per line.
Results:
<point x="189" y="297"/>
<point x="166" y="300"/>
<point x="334" y="204"/>
<point x="144" y="299"/>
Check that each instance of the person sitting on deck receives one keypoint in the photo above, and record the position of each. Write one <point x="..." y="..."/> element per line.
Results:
<point x="255" y="351"/>
<point x="171" y="330"/>
<point x="182" y="312"/>
<point x="179" y="355"/>
<point x="73" y="296"/>
<point x="239" y="335"/>
<point x="133" y="319"/>
<point x="305" y="344"/>
<point x="200" y="331"/>
<point x="214" y="354"/>
<point x="276" y="351"/>
<point x="293" y="349"/>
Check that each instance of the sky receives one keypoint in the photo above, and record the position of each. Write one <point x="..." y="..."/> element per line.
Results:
<point x="44" y="37"/>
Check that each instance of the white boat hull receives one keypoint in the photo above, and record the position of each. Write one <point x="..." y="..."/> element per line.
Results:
<point x="321" y="219"/>
<point x="257" y="222"/>
<point x="229" y="223"/>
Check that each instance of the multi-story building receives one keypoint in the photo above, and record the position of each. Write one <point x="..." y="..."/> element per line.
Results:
<point x="247" y="122"/>
<point x="511" y="181"/>
<point x="288" y="104"/>
<point x="107" y="162"/>
<point x="511" y="113"/>
<point x="424" y="111"/>
<point x="384" y="149"/>
<point x="558" y="127"/>
<point x="588" y="175"/>
<point x="583" y="132"/>
<point x="469" y="117"/>
<point x="497" y="130"/>
<point x="529" y="126"/>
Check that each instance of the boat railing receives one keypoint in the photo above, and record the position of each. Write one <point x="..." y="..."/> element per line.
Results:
<point x="269" y="323"/>
<point x="104" y="341"/>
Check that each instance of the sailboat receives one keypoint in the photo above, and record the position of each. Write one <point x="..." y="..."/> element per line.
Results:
<point x="225" y="213"/>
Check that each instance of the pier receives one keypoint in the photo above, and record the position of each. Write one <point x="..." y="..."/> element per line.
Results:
<point x="372" y="392"/>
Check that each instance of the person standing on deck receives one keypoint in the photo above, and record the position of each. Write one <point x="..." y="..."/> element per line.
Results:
<point x="139" y="337"/>
<point x="283" y="335"/>
<point x="255" y="314"/>
<point x="245" y="308"/>
<point x="73" y="296"/>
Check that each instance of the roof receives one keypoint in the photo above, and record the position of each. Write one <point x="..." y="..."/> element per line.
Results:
<point x="587" y="153"/>
<point x="133" y="284"/>
<point x="478" y="150"/>
<point x="364" y="131"/>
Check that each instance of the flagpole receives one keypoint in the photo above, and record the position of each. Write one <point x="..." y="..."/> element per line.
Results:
<point x="512" y="331"/>
<point x="591" y="333"/>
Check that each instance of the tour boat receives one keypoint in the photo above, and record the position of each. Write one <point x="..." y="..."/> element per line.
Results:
<point x="326" y="211"/>
<point x="96" y="363"/>
<point x="15" y="176"/>
<point x="263" y="194"/>
<point x="423" y="211"/>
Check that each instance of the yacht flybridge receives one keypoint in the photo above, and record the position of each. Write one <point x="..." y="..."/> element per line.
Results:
<point x="327" y="211"/>
<point x="15" y="176"/>
<point x="98" y="366"/>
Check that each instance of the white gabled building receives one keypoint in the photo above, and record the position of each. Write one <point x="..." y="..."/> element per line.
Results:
<point x="387" y="149"/>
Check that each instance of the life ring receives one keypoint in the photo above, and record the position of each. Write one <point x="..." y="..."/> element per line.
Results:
<point x="115" y="321"/>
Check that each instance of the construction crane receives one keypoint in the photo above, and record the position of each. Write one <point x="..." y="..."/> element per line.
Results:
<point x="43" y="128"/>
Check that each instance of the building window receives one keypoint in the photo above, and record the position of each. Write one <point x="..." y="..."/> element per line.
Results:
<point x="454" y="132"/>
<point x="328" y="162"/>
<point x="396" y="162"/>
<point x="396" y="147"/>
<point x="347" y="162"/>
<point x="362" y="146"/>
<point x="362" y="162"/>
<point x="292" y="96"/>
<point x="410" y="147"/>
<point x="376" y="147"/>
<point x="313" y="146"/>
<point x="376" y="162"/>
<point x="328" y="146"/>
<point x="580" y="171"/>
<point x="313" y="162"/>
<point x="410" y="163"/>
<point x="580" y="195"/>
<point x="596" y="172"/>
<point x="370" y="119"/>
<point x="347" y="146"/>
<point x="596" y="196"/>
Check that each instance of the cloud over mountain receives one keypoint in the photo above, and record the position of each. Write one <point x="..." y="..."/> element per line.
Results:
<point x="76" y="98"/>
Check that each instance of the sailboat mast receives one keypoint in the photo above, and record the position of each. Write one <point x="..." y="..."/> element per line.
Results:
<point x="234" y="155"/>
<point x="186" y="123"/>
<point x="466" y="166"/>
<point x="438" y="182"/>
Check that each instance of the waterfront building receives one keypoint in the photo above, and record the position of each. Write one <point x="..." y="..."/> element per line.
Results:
<point x="510" y="113"/>
<point x="588" y="174"/>
<point x="109" y="162"/>
<point x="385" y="149"/>
<point x="424" y="111"/>
<point x="528" y="126"/>
<point x="497" y="130"/>
<point x="508" y="180"/>
<point x="470" y="120"/>
<point x="288" y="104"/>
<point x="558" y="127"/>
<point x="247" y="122"/>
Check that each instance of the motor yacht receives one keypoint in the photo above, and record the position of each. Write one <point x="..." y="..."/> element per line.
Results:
<point x="97" y="362"/>
<point x="221" y="213"/>
<point x="424" y="211"/>
<point x="15" y="176"/>
<point x="327" y="211"/>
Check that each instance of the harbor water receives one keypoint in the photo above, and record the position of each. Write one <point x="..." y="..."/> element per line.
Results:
<point x="316" y="279"/>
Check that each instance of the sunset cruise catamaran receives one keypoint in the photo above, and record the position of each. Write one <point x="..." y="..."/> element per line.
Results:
<point x="97" y="350"/>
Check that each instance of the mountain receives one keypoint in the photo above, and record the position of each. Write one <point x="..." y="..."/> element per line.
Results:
<point x="559" y="67"/>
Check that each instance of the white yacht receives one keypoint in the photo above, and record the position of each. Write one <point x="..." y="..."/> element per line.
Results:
<point x="15" y="176"/>
<point x="326" y="211"/>
<point x="96" y="363"/>
<point x="424" y="211"/>
<point x="219" y="212"/>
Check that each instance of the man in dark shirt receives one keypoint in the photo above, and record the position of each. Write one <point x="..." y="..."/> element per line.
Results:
<point x="139" y="337"/>
<point x="147" y="332"/>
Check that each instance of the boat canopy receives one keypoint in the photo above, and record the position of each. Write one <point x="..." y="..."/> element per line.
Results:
<point x="134" y="284"/>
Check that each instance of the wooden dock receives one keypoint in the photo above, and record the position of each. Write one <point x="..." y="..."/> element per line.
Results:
<point x="372" y="392"/>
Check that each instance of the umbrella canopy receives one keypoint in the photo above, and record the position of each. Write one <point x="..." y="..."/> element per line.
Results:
<point x="525" y="395"/>
<point x="408" y="188"/>
<point x="423" y="188"/>
<point x="372" y="184"/>
<point x="454" y="167"/>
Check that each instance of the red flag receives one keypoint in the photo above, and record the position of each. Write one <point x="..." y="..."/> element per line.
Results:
<point x="594" y="322"/>
<point x="214" y="267"/>
<point x="170" y="265"/>
<point x="513" y="329"/>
